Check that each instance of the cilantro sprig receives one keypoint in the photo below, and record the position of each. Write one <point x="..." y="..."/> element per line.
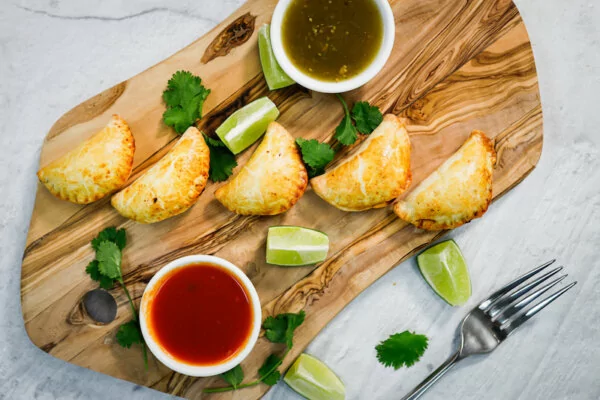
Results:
<point x="278" y="329"/>
<point x="106" y="270"/>
<point x="184" y="97"/>
<point x="222" y="160"/>
<point x="317" y="155"/>
<point x="401" y="349"/>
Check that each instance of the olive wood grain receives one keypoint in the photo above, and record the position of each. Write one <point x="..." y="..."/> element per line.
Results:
<point x="457" y="65"/>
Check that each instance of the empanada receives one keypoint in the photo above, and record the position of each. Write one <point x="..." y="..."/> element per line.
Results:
<point x="378" y="173"/>
<point x="458" y="191"/>
<point x="272" y="180"/>
<point x="95" y="168"/>
<point x="170" y="186"/>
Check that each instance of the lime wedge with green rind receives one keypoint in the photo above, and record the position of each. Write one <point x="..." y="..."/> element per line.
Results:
<point x="314" y="380"/>
<point x="445" y="270"/>
<point x="294" y="246"/>
<point x="274" y="75"/>
<point x="246" y="125"/>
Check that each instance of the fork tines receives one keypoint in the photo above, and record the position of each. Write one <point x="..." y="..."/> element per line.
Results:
<point x="507" y="307"/>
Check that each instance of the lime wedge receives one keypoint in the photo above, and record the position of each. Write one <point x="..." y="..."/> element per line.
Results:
<point x="314" y="380"/>
<point x="276" y="78"/>
<point x="247" y="124"/>
<point x="294" y="245"/>
<point x="445" y="270"/>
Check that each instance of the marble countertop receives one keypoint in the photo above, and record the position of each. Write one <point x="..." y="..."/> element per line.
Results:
<point x="55" y="54"/>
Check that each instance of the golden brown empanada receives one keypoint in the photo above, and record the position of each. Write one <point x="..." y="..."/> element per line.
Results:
<point x="272" y="180"/>
<point x="170" y="186"/>
<point x="95" y="168"/>
<point x="458" y="191"/>
<point x="378" y="173"/>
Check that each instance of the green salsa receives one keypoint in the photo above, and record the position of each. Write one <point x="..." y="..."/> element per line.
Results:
<point x="332" y="40"/>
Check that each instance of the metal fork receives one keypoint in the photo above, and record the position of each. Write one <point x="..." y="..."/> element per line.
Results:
<point x="497" y="317"/>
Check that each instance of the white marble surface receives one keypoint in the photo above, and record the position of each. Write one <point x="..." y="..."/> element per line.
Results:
<point x="55" y="54"/>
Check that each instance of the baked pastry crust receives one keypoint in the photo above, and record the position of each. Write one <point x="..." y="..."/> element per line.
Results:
<point x="95" y="168"/>
<point x="457" y="192"/>
<point x="375" y="175"/>
<point x="272" y="180"/>
<point x="170" y="186"/>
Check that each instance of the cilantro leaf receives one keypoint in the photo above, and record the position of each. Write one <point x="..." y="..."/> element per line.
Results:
<point x="315" y="155"/>
<point x="182" y="88"/>
<point x="268" y="372"/>
<point x="121" y="239"/>
<point x="366" y="117"/>
<point x="272" y="378"/>
<point x="118" y="237"/>
<point x="210" y="142"/>
<point x="178" y="119"/>
<point x="222" y="160"/>
<point x="94" y="273"/>
<point x="400" y="349"/>
<point x="234" y="376"/>
<point x="129" y="333"/>
<point x="109" y="235"/>
<point x="106" y="283"/>
<point x="185" y="90"/>
<point x="109" y="260"/>
<point x="184" y="97"/>
<point x="345" y="132"/>
<point x="275" y="328"/>
<point x="280" y="329"/>
<point x="92" y="270"/>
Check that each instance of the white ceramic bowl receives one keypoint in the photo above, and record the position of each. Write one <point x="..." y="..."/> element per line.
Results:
<point x="201" y="370"/>
<point x="389" y="29"/>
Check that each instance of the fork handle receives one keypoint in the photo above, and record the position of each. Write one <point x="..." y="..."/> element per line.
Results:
<point x="433" y="377"/>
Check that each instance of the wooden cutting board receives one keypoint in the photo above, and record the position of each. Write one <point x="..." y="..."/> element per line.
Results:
<point x="457" y="65"/>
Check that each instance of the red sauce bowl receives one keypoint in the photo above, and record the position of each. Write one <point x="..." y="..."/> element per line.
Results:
<point x="200" y="315"/>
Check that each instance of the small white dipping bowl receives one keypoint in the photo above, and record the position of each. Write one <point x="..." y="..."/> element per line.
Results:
<point x="200" y="370"/>
<point x="389" y="30"/>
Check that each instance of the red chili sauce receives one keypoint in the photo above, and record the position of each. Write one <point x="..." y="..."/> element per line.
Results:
<point x="200" y="314"/>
